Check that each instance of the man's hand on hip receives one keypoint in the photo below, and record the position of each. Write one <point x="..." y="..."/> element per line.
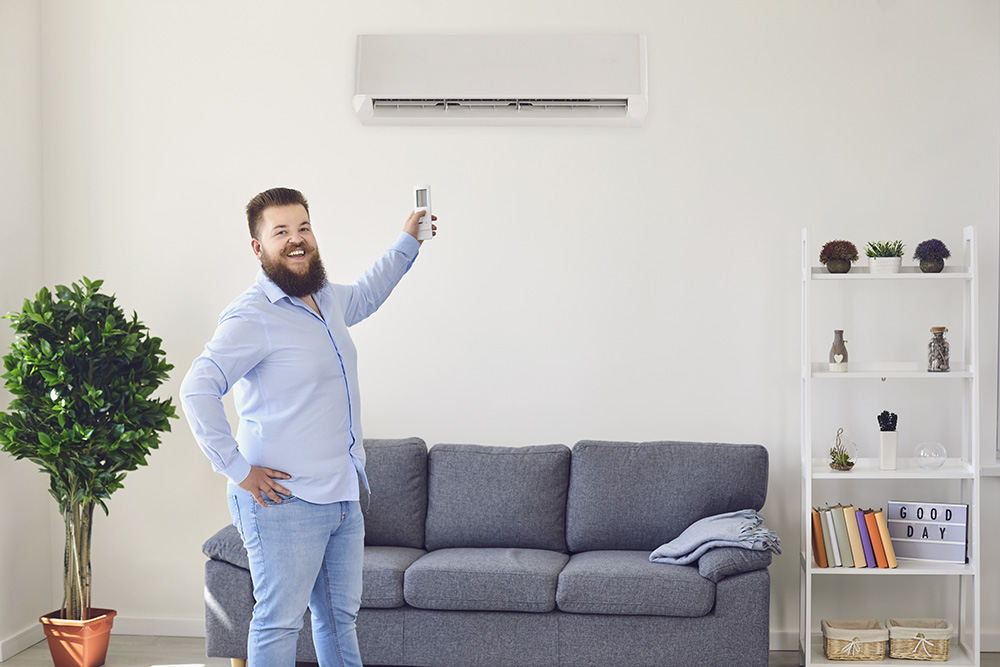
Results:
<point x="263" y="482"/>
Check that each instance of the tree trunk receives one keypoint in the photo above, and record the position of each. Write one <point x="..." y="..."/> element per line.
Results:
<point x="76" y="561"/>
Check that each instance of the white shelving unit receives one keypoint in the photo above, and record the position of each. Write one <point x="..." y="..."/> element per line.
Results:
<point x="959" y="477"/>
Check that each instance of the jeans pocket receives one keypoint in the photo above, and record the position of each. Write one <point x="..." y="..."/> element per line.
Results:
<point x="284" y="499"/>
<point x="234" y="510"/>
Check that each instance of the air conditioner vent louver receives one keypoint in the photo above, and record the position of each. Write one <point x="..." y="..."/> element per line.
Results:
<point x="501" y="79"/>
<point x="580" y="108"/>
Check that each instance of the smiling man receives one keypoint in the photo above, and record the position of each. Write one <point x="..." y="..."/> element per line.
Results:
<point x="296" y="464"/>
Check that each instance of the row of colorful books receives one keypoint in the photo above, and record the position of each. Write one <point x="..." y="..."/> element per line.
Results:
<point x="843" y="536"/>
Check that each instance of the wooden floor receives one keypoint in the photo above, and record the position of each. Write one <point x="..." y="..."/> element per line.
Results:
<point x="130" y="651"/>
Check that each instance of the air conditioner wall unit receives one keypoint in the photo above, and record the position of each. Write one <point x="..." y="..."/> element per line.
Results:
<point x="562" y="79"/>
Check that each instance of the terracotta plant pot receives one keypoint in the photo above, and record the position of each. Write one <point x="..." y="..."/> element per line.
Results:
<point x="79" y="643"/>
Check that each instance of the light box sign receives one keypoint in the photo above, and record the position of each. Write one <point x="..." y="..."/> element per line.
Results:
<point x="928" y="531"/>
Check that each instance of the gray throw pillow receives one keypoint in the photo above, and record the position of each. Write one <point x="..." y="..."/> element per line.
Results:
<point x="504" y="497"/>
<point x="397" y="508"/>
<point x="639" y="495"/>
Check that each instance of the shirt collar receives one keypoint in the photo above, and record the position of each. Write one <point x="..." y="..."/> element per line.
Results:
<point x="271" y="291"/>
<point x="275" y="293"/>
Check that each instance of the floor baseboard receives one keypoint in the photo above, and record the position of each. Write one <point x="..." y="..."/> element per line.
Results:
<point x="784" y="641"/>
<point x="159" y="627"/>
<point x="27" y="638"/>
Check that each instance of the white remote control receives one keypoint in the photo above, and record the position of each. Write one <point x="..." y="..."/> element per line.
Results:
<point x="422" y="201"/>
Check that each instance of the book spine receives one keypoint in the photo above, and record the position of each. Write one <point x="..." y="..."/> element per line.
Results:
<point x="876" y="539"/>
<point x="831" y="536"/>
<point x="890" y="554"/>
<point x="819" y="548"/>
<point x="857" y="550"/>
<point x="843" y="541"/>
<point x="824" y="520"/>
<point x="866" y="541"/>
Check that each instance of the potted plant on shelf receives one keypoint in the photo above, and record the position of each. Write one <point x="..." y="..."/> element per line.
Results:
<point x="842" y="452"/>
<point x="884" y="256"/>
<point x="837" y="256"/>
<point x="82" y="375"/>
<point x="931" y="255"/>
<point x="887" y="440"/>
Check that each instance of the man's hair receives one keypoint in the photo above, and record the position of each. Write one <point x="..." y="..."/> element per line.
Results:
<point x="269" y="198"/>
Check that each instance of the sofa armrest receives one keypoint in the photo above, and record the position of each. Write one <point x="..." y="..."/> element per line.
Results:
<point x="717" y="564"/>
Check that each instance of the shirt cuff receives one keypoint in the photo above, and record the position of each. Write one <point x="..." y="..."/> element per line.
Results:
<point x="407" y="245"/>
<point x="238" y="470"/>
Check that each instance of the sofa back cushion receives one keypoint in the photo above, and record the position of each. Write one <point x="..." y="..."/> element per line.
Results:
<point x="397" y="508"/>
<point x="631" y="495"/>
<point x="505" y="497"/>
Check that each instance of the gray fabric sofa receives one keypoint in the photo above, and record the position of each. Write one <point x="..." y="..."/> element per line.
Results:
<point x="538" y="556"/>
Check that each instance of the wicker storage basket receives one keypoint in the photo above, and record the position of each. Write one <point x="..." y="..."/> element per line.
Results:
<point x="854" y="640"/>
<point x="919" y="638"/>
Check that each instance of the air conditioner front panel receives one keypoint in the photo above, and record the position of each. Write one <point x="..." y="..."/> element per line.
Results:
<point x="532" y="77"/>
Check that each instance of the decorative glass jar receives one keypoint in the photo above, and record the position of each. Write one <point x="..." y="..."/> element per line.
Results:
<point x="938" y="353"/>
<point x="930" y="455"/>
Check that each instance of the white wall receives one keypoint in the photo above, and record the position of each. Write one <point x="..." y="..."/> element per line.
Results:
<point x="638" y="283"/>
<point x="25" y="544"/>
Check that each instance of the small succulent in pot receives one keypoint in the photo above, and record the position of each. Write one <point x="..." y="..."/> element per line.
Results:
<point x="838" y="255"/>
<point x="887" y="421"/>
<point x="884" y="256"/>
<point x="842" y="452"/>
<point x="885" y="249"/>
<point x="931" y="255"/>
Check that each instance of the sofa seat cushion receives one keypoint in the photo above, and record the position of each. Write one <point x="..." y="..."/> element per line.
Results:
<point x="382" y="580"/>
<point x="626" y="583"/>
<point x="487" y="579"/>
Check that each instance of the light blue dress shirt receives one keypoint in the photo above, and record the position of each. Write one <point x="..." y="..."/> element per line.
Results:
<point x="294" y="378"/>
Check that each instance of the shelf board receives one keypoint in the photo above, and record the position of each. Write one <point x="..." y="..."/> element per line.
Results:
<point x="887" y="370"/>
<point x="904" y="568"/>
<point x="868" y="468"/>
<point x="905" y="273"/>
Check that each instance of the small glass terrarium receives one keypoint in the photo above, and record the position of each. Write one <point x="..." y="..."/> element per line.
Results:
<point x="843" y="452"/>
<point x="930" y="455"/>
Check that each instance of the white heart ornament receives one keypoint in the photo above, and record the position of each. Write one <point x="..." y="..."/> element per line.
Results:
<point x="838" y="358"/>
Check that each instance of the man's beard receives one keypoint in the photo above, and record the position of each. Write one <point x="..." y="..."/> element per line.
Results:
<point x="294" y="284"/>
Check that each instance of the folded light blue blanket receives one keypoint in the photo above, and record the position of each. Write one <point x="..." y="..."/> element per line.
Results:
<point x="743" y="528"/>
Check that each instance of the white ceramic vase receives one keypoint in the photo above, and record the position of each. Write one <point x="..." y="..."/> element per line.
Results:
<point x="887" y="450"/>
<point x="884" y="264"/>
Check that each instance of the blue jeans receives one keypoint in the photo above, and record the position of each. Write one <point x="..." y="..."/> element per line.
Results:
<point x="302" y="555"/>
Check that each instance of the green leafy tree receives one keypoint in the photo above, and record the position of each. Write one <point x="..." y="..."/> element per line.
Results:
<point x="82" y="376"/>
